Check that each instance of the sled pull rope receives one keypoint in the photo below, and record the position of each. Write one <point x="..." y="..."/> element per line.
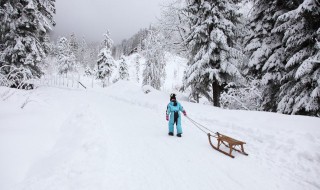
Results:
<point x="199" y="126"/>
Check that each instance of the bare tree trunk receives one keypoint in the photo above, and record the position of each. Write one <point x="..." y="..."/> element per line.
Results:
<point x="216" y="91"/>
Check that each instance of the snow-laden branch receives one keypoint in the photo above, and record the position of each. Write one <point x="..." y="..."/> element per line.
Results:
<point x="12" y="76"/>
<point x="314" y="61"/>
<point x="237" y="100"/>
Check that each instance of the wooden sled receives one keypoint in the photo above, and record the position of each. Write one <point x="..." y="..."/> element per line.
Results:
<point x="228" y="142"/>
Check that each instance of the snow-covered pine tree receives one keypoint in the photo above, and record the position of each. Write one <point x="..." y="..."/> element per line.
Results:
<point x="24" y="25"/>
<point x="105" y="63"/>
<point x="300" y="85"/>
<point x="131" y="45"/>
<point x="123" y="69"/>
<point x="92" y="54"/>
<point x="48" y="45"/>
<point x="211" y="39"/>
<point x="137" y="66"/>
<point x="154" y="72"/>
<point x="265" y="50"/>
<point x="74" y="45"/>
<point x="83" y="53"/>
<point x="66" y="58"/>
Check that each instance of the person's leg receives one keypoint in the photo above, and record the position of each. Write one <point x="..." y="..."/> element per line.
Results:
<point x="176" y="118"/>
<point x="179" y="128"/>
<point x="170" y="125"/>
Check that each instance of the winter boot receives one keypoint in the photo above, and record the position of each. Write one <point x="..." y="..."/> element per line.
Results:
<point x="170" y="133"/>
<point x="179" y="135"/>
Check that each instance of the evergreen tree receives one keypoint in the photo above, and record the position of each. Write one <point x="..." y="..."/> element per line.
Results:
<point x="281" y="48"/>
<point x="23" y="31"/>
<point x="265" y="49"/>
<point x="48" y="45"/>
<point x="83" y="53"/>
<point x="123" y="69"/>
<point x="154" y="72"/>
<point x="211" y="39"/>
<point x="74" y="45"/>
<point x="92" y="54"/>
<point x="131" y="45"/>
<point x="137" y="66"/>
<point x="300" y="85"/>
<point x="105" y="63"/>
<point x="66" y="58"/>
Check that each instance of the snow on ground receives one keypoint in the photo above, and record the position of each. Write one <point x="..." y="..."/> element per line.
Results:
<point x="116" y="138"/>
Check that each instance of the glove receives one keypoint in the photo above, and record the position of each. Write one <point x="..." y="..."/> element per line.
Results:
<point x="167" y="117"/>
<point x="184" y="113"/>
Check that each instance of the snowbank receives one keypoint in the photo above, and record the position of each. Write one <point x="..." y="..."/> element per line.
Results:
<point x="116" y="138"/>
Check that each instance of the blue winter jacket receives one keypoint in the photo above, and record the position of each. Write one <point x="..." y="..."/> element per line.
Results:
<point x="171" y="109"/>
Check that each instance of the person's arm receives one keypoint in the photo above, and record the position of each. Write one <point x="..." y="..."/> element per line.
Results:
<point x="182" y="110"/>
<point x="167" y="112"/>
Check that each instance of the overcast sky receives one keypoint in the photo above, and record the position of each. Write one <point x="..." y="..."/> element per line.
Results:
<point x="91" y="18"/>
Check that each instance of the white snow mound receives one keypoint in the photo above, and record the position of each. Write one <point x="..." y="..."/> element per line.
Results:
<point x="116" y="138"/>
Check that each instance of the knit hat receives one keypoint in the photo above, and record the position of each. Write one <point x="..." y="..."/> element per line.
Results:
<point x="172" y="96"/>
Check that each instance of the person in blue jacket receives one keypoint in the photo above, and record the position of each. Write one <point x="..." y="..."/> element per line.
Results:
<point x="173" y="111"/>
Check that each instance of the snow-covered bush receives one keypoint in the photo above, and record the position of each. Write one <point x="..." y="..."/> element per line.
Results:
<point x="18" y="77"/>
<point x="246" y="97"/>
<point x="147" y="88"/>
<point x="88" y="71"/>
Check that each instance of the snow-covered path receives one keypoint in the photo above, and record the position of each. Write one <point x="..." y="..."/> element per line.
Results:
<point x="116" y="138"/>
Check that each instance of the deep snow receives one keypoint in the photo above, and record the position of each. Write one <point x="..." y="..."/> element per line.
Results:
<point x="116" y="138"/>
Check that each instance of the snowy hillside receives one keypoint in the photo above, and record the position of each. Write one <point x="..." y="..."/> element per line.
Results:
<point x="175" y="67"/>
<point x="116" y="138"/>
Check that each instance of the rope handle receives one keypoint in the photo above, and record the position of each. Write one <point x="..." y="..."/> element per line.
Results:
<point x="201" y="127"/>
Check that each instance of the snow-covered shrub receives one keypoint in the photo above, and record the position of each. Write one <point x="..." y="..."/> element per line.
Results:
<point x="147" y="88"/>
<point x="242" y="97"/>
<point x="16" y="77"/>
<point x="88" y="71"/>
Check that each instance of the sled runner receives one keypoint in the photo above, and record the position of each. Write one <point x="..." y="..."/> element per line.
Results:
<point x="228" y="142"/>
